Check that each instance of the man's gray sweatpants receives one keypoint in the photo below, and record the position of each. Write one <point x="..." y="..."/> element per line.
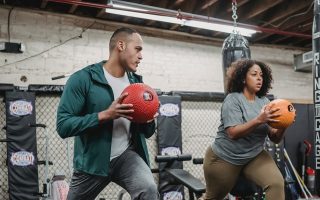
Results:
<point x="128" y="170"/>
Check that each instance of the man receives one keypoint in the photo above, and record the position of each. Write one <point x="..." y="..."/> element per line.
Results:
<point x="107" y="146"/>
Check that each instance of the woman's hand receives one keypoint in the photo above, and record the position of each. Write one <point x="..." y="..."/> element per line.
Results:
<point x="268" y="114"/>
<point x="276" y="135"/>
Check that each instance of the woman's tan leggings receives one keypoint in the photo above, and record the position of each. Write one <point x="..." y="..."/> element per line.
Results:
<point x="221" y="176"/>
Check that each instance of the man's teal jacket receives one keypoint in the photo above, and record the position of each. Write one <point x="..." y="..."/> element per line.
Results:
<point x="87" y="93"/>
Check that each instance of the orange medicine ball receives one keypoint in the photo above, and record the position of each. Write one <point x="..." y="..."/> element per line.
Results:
<point x="287" y="113"/>
<point x="144" y="99"/>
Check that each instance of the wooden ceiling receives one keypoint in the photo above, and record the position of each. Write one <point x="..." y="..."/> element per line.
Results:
<point x="279" y="22"/>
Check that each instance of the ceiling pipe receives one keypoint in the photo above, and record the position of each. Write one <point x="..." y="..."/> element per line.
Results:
<point x="188" y="16"/>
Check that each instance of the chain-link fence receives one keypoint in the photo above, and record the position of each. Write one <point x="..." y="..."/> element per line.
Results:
<point x="3" y="153"/>
<point x="200" y="120"/>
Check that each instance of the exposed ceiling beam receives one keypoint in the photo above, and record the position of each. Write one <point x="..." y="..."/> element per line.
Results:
<point x="195" y="30"/>
<point x="148" y="2"/>
<point x="189" y="7"/>
<point x="301" y="41"/>
<point x="44" y="3"/>
<point x="217" y="34"/>
<point x="174" y="27"/>
<point x="289" y="25"/>
<point x="208" y="3"/>
<point x="150" y="22"/>
<point x="308" y="45"/>
<point x="280" y="39"/>
<point x="239" y="4"/>
<point x="292" y="42"/>
<point x="296" y="40"/>
<point x="286" y="29"/>
<point x="73" y="8"/>
<point x="126" y="19"/>
<point x="203" y="5"/>
<point x="227" y="9"/>
<point x="257" y="8"/>
<point x="199" y="17"/>
<point x="160" y="4"/>
<point x="220" y="35"/>
<point x="177" y="3"/>
<point x="101" y="13"/>
<point x="280" y="13"/>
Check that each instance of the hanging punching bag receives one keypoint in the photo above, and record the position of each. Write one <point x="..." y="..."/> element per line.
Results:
<point x="234" y="47"/>
<point x="316" y="78"/>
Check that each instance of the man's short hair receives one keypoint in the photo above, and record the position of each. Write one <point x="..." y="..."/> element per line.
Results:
<point x="120" y="33"/>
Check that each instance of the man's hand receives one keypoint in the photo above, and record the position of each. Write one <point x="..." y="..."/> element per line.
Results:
<point x="116" y="110"/>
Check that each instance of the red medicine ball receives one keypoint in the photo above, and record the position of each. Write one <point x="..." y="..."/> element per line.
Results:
<point x="144" y="99"/>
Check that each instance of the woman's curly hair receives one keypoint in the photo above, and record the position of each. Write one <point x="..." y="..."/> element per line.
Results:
<point x="237" y="72"/>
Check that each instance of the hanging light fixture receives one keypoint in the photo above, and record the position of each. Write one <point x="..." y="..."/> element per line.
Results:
<point x="164" y="15"/>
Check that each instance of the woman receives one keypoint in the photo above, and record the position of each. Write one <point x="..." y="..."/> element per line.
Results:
<point x="238" y="146"/>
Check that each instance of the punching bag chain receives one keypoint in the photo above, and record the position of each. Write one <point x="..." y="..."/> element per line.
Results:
<point x="234" y="14"/>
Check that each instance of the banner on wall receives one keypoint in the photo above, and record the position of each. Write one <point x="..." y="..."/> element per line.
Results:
<point x="316" y="73"/>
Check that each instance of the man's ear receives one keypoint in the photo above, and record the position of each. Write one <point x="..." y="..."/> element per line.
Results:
<point x="121" y="45"/>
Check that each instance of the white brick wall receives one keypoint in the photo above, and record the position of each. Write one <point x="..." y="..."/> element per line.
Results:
<point x="167" y="64"/>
